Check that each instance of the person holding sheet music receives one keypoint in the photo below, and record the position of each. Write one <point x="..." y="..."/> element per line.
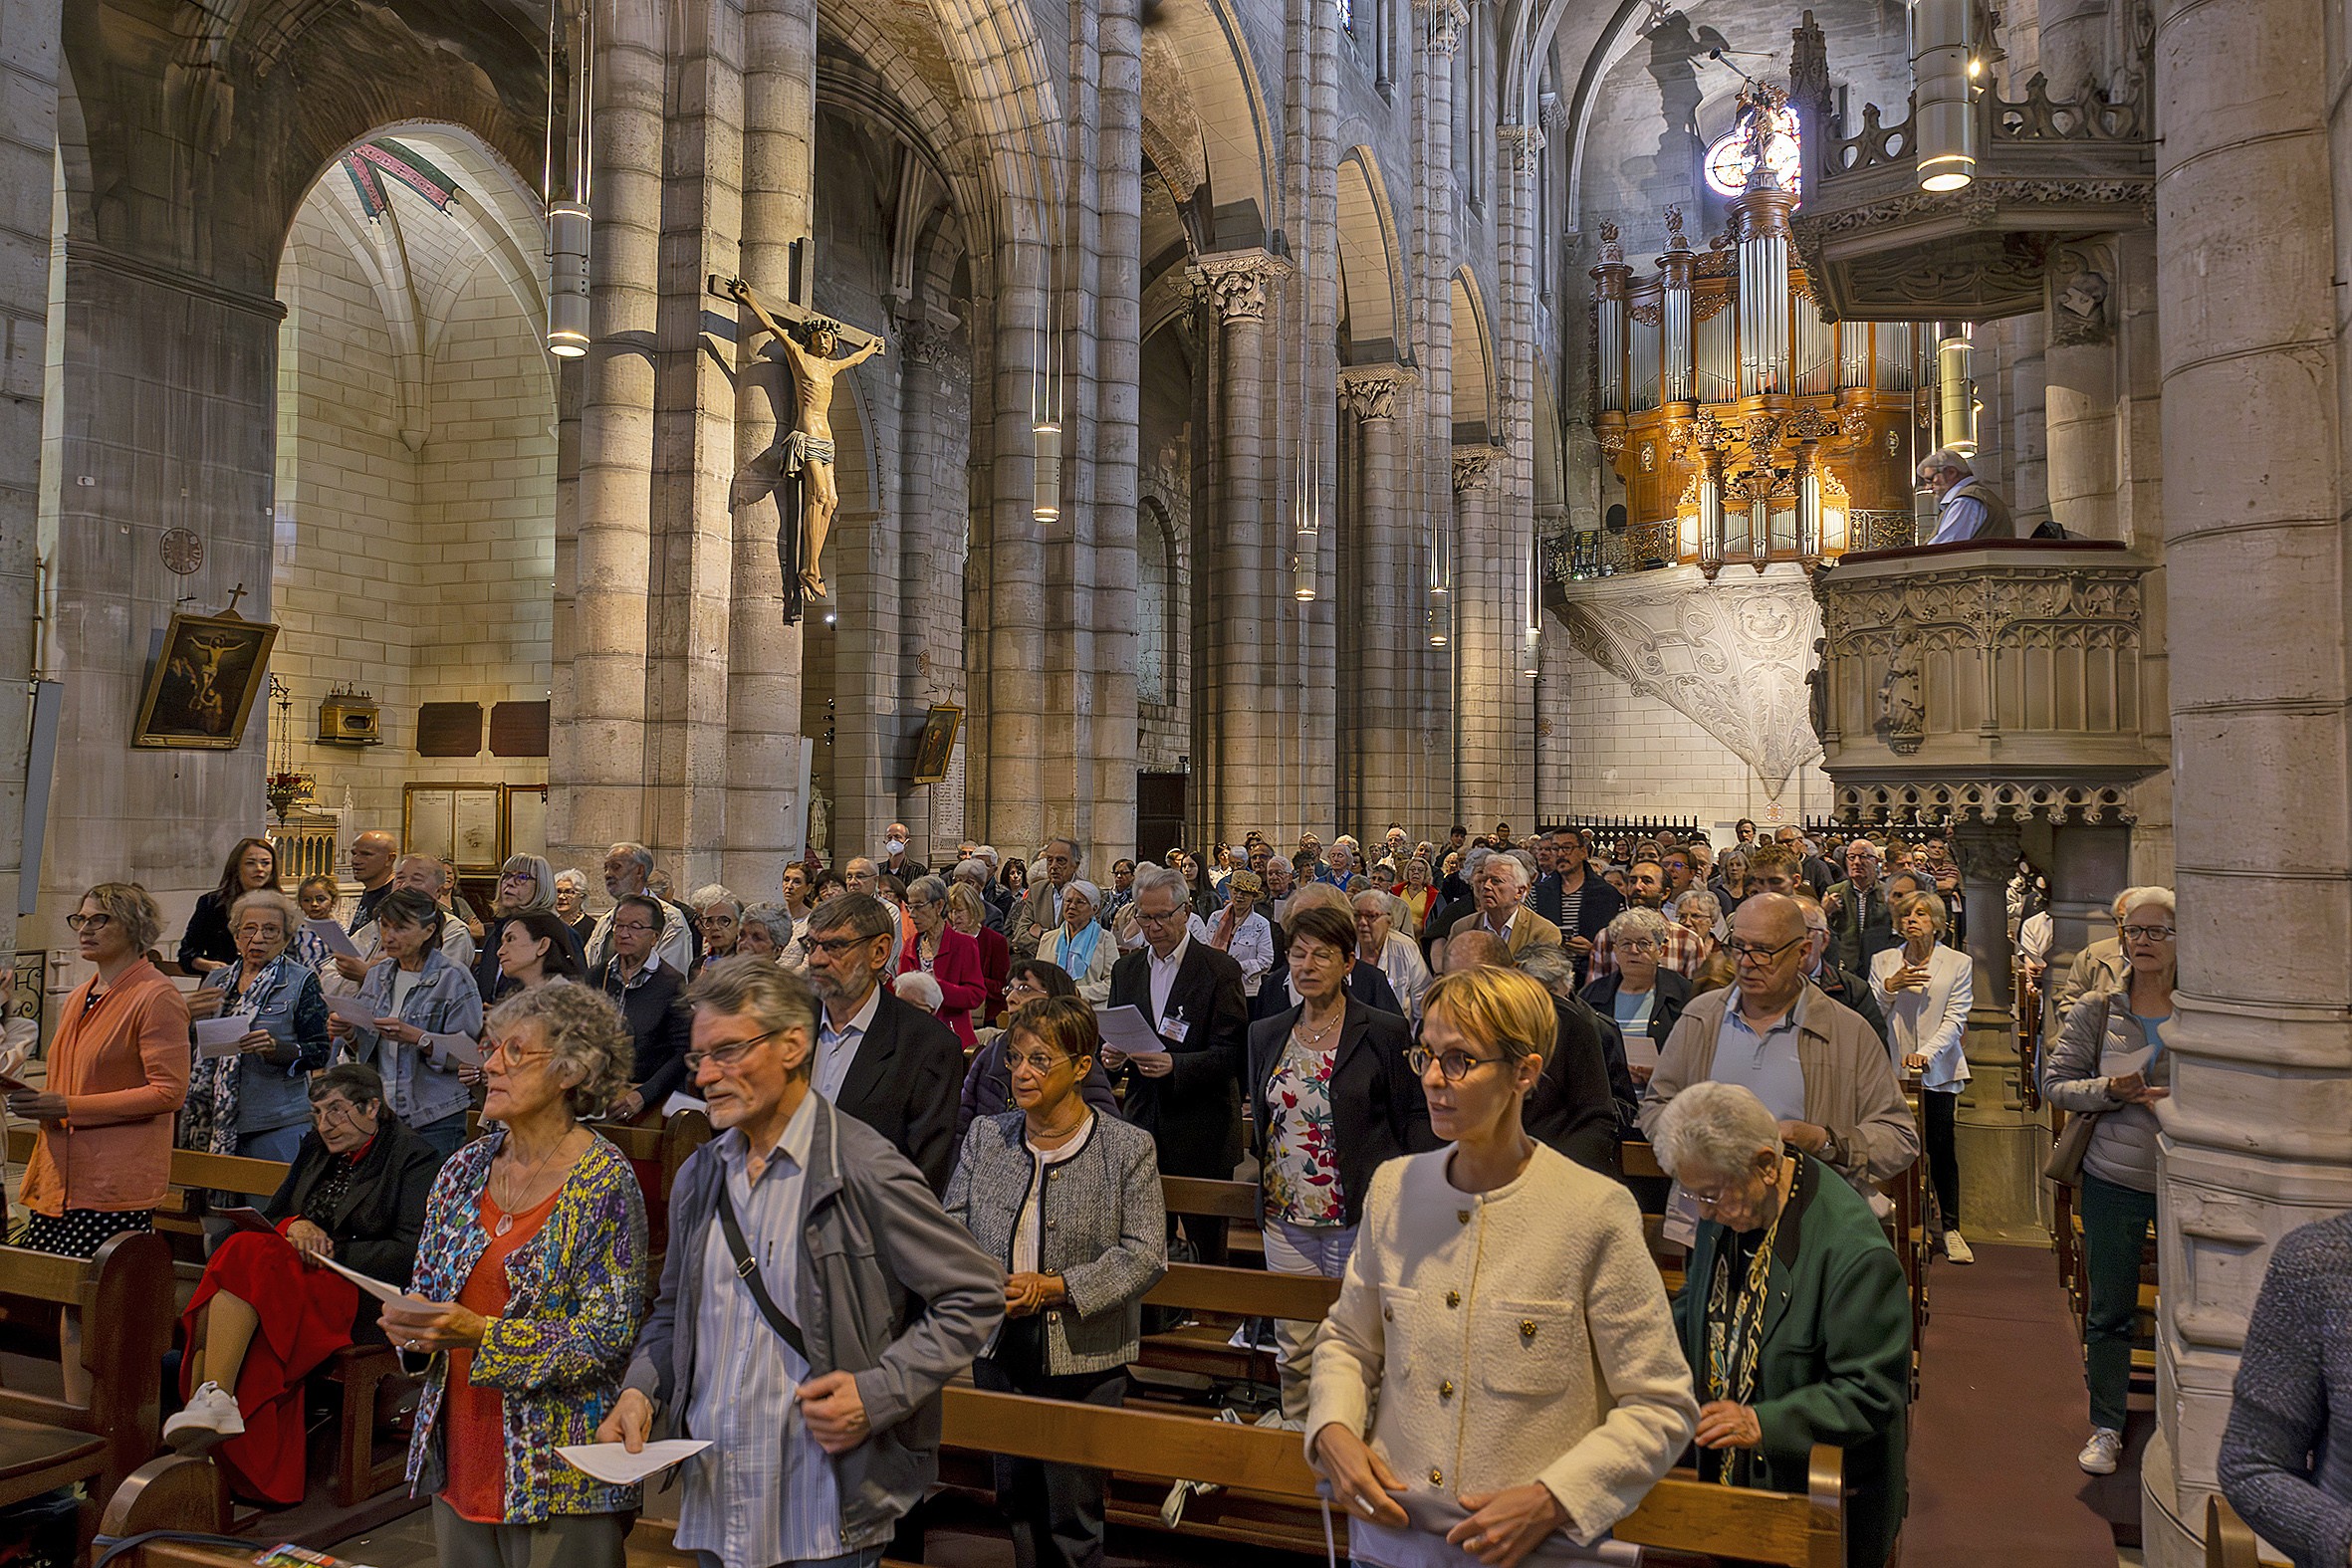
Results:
<point x="268" y="1310"/>
<point x="420" y="992"/>
<point x="253" y="1101"/>
<point x="1643" y="997"/>
<point x="1502" y="1304"/>
<point x="529" y="1291"/>
<point x="1069" y="1200"/>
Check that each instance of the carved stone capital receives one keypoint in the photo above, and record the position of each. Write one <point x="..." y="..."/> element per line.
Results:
<point x="1368" y="391"/>
<point x="1473" y="468"/>
<point x="1519" y="145"/>
<point x="927" y="343"/>
<point x="2081" y="279"/>
<point x="1237" y="282"/>
<point x="1441" y="22"/>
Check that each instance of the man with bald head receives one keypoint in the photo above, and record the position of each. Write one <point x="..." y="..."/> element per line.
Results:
<point x="1816" y="1064"/>
<point x="1570" y="1108"/>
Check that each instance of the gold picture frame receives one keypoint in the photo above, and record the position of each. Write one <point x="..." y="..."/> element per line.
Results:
<point x="938" y="745"/>
<point x="201" y="688"/>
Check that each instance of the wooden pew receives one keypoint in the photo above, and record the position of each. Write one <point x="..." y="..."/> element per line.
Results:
<point x="125" y="1298"/>
<point x="1682" y="1514"/>
<point x="2229" y="1542"/>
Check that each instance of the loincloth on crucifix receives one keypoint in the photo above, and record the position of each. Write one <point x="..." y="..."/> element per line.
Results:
<point x="792" y="457"/>
<point x="800" y="449"/>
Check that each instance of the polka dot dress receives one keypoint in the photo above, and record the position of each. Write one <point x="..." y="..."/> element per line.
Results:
<point x="79" y="1232"/>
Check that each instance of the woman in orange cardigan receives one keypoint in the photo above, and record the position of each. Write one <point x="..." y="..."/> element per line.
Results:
<point x="118" y="1072"/>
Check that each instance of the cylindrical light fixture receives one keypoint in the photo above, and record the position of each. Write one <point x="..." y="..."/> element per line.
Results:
<point x="1048" y="508"/>
<point x="1440" y="618"/>
<point x="1956" y="392"/>
<point x="1942" y="89"/>
<point x="568" y="280"/>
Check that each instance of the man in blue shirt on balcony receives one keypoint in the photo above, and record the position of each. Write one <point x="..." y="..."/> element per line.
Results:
<point x="1964" y="509"/>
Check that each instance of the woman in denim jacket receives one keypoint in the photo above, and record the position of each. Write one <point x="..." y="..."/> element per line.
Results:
<point x="529" y="1291"/>
<point x="415" y="992"/>
<point x="257" y="1102"/>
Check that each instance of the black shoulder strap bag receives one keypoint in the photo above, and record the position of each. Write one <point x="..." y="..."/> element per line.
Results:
<point x="747" y="1269"/>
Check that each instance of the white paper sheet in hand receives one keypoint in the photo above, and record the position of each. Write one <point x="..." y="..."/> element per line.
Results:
<point x="374" y="1287"/>
<point x="338" y="940"/>
<point x="615" y="1464"/>
<point x="352" y="1011"/>
<point x="680" y="1100"/>
<point x="457" y="1046"/>
<point x="218" y="1038"/>
<point x="1124" y="1029"/>
<point x="1640" y="1052"/>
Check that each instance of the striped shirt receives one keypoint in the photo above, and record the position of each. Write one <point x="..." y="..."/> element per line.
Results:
<point x="764" y="1492"/>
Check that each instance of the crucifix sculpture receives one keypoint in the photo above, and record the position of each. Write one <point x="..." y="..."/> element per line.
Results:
<point x="806" y="454"/>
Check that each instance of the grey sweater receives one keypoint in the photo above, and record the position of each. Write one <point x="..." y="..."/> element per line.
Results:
<point x="2101" y="1042"/>
<point x="2286" y="1457"/>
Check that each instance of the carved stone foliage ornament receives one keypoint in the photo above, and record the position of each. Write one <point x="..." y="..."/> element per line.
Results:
<point x="1979" y="608"/>
<point x="1732" y="658"/>
<point x="1369" y="393"/>
<point x="1473" y="468"/>
<point x="1238" y="283"/>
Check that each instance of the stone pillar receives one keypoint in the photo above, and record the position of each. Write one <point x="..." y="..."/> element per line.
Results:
<point x="28" y="131"/>
<point x="2027" y="430"/>
<point x="1475" y="646"/>
<point x="2257" y="1134"/>
<point x="598" y="761"/>
<point x="2001" y="1146"/>
<point x="1236" y="657"/>
<point x="1430" y="762"/>
<point x="2079" y="366"/>
<point x="767" y="815"/>
<point x="1499" y="738"/>
<point x="1382" y="602"/>
<point x="1110" y="790"/>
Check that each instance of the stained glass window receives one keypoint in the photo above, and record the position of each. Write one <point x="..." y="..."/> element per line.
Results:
<point x="1733" y="155"/>
<point x="1347" y="15"/>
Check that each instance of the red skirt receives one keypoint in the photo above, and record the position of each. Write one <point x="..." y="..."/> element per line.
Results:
<point x="306" y="1316"/>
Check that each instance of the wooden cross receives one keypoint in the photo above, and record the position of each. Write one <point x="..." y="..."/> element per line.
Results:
<point x="798" y="310"/>
<point x="235" y="595"/>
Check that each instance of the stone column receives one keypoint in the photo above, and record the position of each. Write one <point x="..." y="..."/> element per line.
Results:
<point x="2257" y="1134"/>
<point x="1119" y="304"/>
<point x="1473" y="647"/>
<point x="28" y="131"/>
<point x="2079" y="366"/>
<point x="2001" y="1146"/>
<point x="1430" y="764"/>
<point x="597" y="759"/>
<point x="1250" y="553"/>
<point x="767" y="815"/>
<point x="1381" y="603"/>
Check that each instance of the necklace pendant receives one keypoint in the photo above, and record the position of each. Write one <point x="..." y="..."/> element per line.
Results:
<point x="505" y="1224"/>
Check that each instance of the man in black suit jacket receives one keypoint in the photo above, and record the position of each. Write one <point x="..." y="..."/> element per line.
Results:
<point x="894" y="1067"/>
<point x="1572" y="1108"/>
<point x="1597" y="902"/>
<point x="1189" y="1099"/>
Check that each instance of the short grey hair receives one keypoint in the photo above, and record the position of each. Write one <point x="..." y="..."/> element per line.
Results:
<point x="440" y="871"/>
<point x="1718" y="1127"/>
<point x="1706" y="905"/>
<point x="1945" y="457"/>
<point x="637" y="852"/>
<point x="929" y="889"/>
<point x="773" y="919"/>
<point x="573" y="877"/>
<point x="1549" y="963"/>
<point x="584" y="1031"/>
<point x="918" y="990"/>
<point x="289" y="916"/>
<point x="1077" y="851"/>
<point x="861" y="913"/>
<point x="711" y="893"/>
<point x="1153" y="875"/>
<point x="542" y="881"/>
<point x="1636" y="921"/>
<point x="974" y="870"/>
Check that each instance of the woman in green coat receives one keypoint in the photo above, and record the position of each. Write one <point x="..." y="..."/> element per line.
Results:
<point x="1793" y="1314"/>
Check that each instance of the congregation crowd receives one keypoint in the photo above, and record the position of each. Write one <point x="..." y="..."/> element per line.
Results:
<point x="929" y="1158"/>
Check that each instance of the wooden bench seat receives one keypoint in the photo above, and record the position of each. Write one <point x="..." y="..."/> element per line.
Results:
<point x="36" y="1458"/>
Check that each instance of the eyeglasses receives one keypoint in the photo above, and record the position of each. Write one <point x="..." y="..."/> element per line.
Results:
<point x="726" y="1056"/>
<point x="1750" y="953"/>
<point x="834" y="947"/>
<point x="1638" y="944"/>
<point x="518" y="876"/>
<point x="1453" y="1065"/>
<point x="1148" y="918"/>
<point x="512" y="1055"/>
<point x="1040" y="1063"/>
<point x="270" y="930"/>
<point x="635" y="926"/>
<point x="334" y="1111"/>
<point x="2147" y="932"/>
<point x="87" y="922"/>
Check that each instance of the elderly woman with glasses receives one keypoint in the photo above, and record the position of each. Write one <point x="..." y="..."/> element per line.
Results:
<point x="421" y="1001"/>
<point x="2110" y="1069"/>
<point x="765" y="931"/>
<point x="1238" y="930"/>
<point x="526" y="886"/>
<point x="988" y="1083"/>
<point x="253" y="1101"/>
<point x="1080" y="945"/>
<point x="1795" y="1316"/>
<point x="950" y="957"/>
<point x="968" y="912"/>
<point x="1925" y="988"/>
<point x="1067" y="1199"/>
<point x="1502" y="1304"/>
<point x="1642" y="996"/>
<point x="529" y="1291"/>
<point x="267" y="1311"/>
<point x="572" y="890"/>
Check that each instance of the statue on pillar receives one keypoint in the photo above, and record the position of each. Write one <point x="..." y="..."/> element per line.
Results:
<point x="806" y="455"/>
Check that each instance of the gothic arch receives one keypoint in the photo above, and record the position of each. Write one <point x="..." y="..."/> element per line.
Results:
<point x="1371" y="280"/>
<point x="1475" y="403"/>
<point x="1237" y="145"/>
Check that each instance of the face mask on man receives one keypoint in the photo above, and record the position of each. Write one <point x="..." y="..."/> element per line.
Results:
<point x="897" y="846"/>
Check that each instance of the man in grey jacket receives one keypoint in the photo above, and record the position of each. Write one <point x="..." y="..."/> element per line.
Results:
<point x="821" y="1399"/>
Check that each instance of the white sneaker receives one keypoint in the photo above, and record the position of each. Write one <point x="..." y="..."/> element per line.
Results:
<point x="211" y="1415"/>
<point x="1956" y="1248"/>
<point x="2103" y="1452"/>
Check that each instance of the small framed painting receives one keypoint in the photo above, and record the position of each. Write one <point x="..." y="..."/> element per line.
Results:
<point x="203" y="682"/>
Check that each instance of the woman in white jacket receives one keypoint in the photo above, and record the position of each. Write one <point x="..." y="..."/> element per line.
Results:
<point x="1925" y="988"/>
<point x="1081" y="946"/>
<point x="1500" y="1314"/>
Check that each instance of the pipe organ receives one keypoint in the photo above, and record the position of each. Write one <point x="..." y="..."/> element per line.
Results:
<point x="1744" y="427"/>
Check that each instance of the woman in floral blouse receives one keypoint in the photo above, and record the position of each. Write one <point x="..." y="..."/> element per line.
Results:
<point x="529" y="1291"/>
<point x="1333" y="1098"/>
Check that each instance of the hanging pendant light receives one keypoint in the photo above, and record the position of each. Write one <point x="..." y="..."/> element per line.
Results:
<point x="570" y="217"/>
